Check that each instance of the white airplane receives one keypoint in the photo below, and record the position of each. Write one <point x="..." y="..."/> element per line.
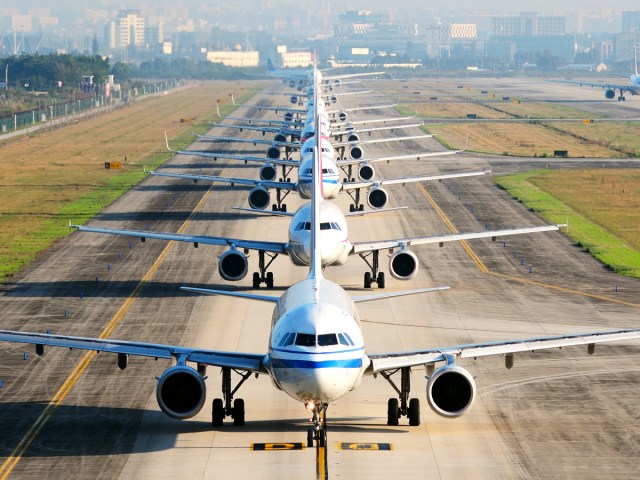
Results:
<point x="316" y="353"/>
<point x="633" y="87"/>
<point x="260" y="198"/>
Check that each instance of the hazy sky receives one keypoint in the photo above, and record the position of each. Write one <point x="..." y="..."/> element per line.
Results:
<point x="490" y="6"/>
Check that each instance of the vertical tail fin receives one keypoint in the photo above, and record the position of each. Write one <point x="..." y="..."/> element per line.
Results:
<point x="315" y="266"/>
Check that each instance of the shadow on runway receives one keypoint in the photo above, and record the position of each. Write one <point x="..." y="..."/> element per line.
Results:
<point x="155" y="216"/>
<point x="73" y="430"/>
<point x="118" y="289"/>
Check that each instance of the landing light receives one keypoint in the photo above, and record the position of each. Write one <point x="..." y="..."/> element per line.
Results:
<point x="310" y="406"/>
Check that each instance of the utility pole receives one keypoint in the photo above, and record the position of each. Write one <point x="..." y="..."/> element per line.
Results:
<point x="6" y="77"/>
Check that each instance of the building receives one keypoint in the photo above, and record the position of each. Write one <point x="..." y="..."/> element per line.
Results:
<point x="528" y="23"/>
<point x="234" y="58"/>
<point x="363" y="31"/>
<point x="630" y="21"/>
<point x="127" y="29"/>
<point x="296" y="59"/>
<point x="21" y="23"/>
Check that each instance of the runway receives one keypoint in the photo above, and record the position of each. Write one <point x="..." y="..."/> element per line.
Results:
<point x="560" y="414"/>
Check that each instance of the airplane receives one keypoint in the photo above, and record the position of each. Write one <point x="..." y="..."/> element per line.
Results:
<point x="633" y="87"/>
<point x="316" y="353"/>
<point x="260" y="198"/>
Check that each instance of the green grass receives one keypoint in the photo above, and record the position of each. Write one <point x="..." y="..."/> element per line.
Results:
<point x="601" y="243"/>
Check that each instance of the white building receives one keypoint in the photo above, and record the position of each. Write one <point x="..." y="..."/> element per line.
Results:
<point x="235" y="58"/>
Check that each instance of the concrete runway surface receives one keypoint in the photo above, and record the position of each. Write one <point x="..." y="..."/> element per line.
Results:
<point x="559" y="414"/>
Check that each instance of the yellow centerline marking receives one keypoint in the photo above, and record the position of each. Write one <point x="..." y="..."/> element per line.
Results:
<point x="11" y="462"/>
<point x="483" y="268"/>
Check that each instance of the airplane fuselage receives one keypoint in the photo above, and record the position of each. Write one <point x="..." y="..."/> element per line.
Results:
<point x="316" y="348"/>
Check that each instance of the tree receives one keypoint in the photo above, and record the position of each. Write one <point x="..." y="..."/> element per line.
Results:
<point x="121" y="72"/>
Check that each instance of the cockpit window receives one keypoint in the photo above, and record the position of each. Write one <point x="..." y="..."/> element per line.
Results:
<point x="327" y="339"/>
<point x="305" y="340"/>
<point x="335" y="226"/>
<point x="348" y="338"/>
<point x="287" y="339"/>
<point x="325" y="226"/>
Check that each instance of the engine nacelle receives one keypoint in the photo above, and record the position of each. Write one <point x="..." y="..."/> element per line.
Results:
<point x="181" y="392"/>
<point x="342" y="116"/>
<point x="259" y="198"/>
<point x="377" y="197"/>
<point x="610" y="94"/>
<point x="293" y="99"/>
<point x="366" y="172"/>
<point x="353" y="137"/>
<point x="288" y="116"/>
<point x="451" y="391"/>
<point x="268" y="172"/>
<point x="280" y="137"/>
<point x="337" y="82"/>
<point x="233" y="265"/>
<point x="273" y="152"/>
<point x="356" y="152"/>
<point x="403" y="265"/>
<point x="334" y="99"/>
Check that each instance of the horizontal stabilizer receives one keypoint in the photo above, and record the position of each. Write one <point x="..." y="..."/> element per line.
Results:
<point x="249" y="296"/>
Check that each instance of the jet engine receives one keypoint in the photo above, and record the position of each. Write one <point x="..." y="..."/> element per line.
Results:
<point x="353" y="137"/>
<point x="610" y="94"/>
<point x="403" y="265"/>
<point x="293" y="99"/>
<point x="268" y="172"/>
<point x="356" y="152"/>
<point x="273" y="152"/>
<point x="259" y="198"/>
<point x="233" y="265"/>
<point x="366" y="172"/>
<point x="334" y="99"/>
<point x="377" y="197"/>
<point x="337" y="82"/>
<point x="451" y="391"/>
<point x="181" y="392"/>
<point x="280" y="137"/>
<point x="342" y="116"/>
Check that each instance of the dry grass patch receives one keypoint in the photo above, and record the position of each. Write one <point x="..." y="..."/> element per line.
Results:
<point x="516" y="139"/>
<point x="55" y="175"/>
<point x="624" y="137"/>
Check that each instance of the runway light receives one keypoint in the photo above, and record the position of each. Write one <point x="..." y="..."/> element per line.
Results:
<point x="530" y="269"/>
<point x="24" y="356"/>
<point x="81" y="295"/>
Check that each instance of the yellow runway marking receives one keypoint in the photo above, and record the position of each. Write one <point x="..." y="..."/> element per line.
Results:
<point x="11" y="462"/>
<point x="483" y="268"/>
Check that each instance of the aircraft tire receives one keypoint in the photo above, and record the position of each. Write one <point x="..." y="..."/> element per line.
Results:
<point x="217" y="412"/>
<point x="269" y="279"/>
<point x="381" y="280"/>
<point x="414" y="412"/>
<point x="367" y="279"/>
<point x="392" y="412"/>
<point x="238" y="412"/>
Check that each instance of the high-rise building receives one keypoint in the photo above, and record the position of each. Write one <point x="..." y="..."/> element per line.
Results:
<point x="631" y="21"/>
<point x="528" y="23"/>
<point x="127" y="29"/>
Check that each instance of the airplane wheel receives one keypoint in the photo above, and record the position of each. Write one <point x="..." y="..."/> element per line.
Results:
<point x="289" y="181"/>
<point x="256" y="280"/>
<point x="361" y="207"/>
<point x="367" y="279"/>
<point x="392" y="412"/>
<point x="283" y="208"/>
<point x="381" y="280"/>
<point x="238" y="412"/>
<point x="352" y="208"/>
<point x="275" y="208"/>
<point x="310" y="437"/>
<point x="217" y="412"/>
<point x="269" y="279"/>
<point x="414" y="412"/>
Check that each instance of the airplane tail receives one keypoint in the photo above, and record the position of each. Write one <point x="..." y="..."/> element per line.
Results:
<point x="315" y="265"/>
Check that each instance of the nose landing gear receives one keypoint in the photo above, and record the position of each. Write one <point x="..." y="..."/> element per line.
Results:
<point x="318" y="433"/>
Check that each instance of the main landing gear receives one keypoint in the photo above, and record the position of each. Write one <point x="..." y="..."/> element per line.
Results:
<point x="280" y="196"/>
<point x="318" y="433"/>
<point x="263" y="276"/>
<point x="373" y="276"/>
<point x="404" y="406"/>
<point x="227" y="406"/>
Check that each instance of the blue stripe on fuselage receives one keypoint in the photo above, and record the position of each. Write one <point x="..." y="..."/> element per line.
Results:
<point x="310" y="364"/>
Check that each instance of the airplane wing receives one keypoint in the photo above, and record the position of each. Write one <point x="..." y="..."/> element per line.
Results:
<point x="273" y="247"/>
<point x="251" y="362"/>
<point x="424" y="178"/>
<point x="381" y="140"/>
<point x="392" y="361"/>
<point x="416" y="156"/>
<point x="255" y="141"/>
<point x="632" y="89"/>
<point x="363" y="247"/>
<point x="258" y="128"/>
<point x="356" y="109"/>
<point x="230" y="180"/>
<point x="377" y="129"/>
